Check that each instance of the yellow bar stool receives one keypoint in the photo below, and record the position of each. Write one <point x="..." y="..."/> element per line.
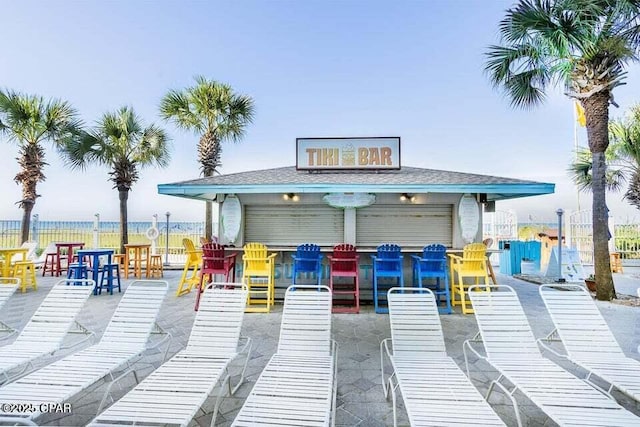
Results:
<point x="258" y="273"/>
<point x="471" y="265"/>
<point x="26" y="272"/>
<point x="190" y="274"/>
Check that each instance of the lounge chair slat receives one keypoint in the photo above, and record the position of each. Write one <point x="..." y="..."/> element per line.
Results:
<point x="65" y="378"/>
<point x="434" y="389"/>
<point x="174" y="392"/>
<point x="566" y="399"/>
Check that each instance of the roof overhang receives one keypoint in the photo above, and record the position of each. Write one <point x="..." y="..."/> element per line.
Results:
<point x="494" y="192"/>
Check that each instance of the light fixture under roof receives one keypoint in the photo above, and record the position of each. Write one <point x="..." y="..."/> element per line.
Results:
<point x="410" y="197"/>
<point x="291" y="196"/>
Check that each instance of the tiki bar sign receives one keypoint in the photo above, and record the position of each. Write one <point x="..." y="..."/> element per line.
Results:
<point x="347" y="153"/>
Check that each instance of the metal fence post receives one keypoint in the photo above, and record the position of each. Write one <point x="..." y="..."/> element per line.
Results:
<point x="560" y="278"/>
<point x="166" y="254"/>
<point x="34" y="228"/>
<point x="154" y="242"/>
<point x="96" y="231"/>
<point x="612" y="234"/>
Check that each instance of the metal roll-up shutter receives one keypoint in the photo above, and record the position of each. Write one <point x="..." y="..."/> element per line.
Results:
<point x="415" y="225"/>
<point x="292" y="225"/>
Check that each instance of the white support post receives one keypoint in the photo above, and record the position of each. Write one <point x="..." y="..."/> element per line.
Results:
<point x="569" y="218"/>
<point x="350" y="226"/>
<point x="154" y="242"/>
<point x="612" y="231"/>
<point x="96" y="231"/>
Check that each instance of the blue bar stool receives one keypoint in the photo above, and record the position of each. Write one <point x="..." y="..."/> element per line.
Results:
<point x="432" y="264"/>
<point x="77" y="271"/>
<point x="107" y="272"/>
<point x="387" y="263"/>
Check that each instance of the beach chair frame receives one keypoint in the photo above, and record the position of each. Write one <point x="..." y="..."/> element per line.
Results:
<point x="168" y="395"/>
<point x="587" y="340"/>
<point x="8" y="286"/>
<point x="298" y="385"/>
<point x="121" y="346"/>
<point x="431" y="382"/>
<point x="44" y="333"/>
<point x="512" y="350"/>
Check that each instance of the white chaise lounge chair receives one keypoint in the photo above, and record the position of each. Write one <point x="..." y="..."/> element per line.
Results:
<point x="174" y="392"/>
<point x="8" y="286"/>
<point x="121" y="345"/>
<point x="434" y="388"/>
<point x="45" y="332"/>
<point x="588" y="340"/>
<point x="511" y="349"/>
<point x="297" y="387"/>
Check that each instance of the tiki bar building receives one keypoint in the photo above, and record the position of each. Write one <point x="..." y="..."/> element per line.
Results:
<point x="351" y="190"/>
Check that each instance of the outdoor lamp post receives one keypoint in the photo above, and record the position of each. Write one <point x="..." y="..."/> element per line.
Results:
<point x="35" y="227"/>
<point x="96" y="231"/>
<point x="560" y="278"/>
<point x="166" y="253"/>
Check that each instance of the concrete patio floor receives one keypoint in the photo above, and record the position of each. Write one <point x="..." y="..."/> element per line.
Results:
<point x="360" y="399"/>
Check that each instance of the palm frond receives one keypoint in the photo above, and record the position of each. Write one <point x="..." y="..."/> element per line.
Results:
<point x="581" y="168"/>
<point x="175" y="107"/>
<point x="527" y="88"/>
<point x="29" y="119"/>
<point x="543" y="42"/>
<point x="76" y="152"/>
<point x="122" y="142"/>
<point x="153" y="147"/>
<point x="209" y="107"/>
<point x="238" y="114"/>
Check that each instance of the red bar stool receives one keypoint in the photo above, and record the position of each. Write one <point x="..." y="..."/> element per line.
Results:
<point x="344" y="263"/>
<point x="214" y="261"/>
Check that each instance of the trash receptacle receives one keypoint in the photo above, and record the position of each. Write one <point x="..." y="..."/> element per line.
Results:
<point x="505" y="256"/>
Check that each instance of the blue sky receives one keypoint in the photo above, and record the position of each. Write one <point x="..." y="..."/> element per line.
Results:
<point x="314" y="68"/>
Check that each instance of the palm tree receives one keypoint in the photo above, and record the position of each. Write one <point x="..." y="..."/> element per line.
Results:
<point x="580" y="169"/>
<point x="585" y="45"/>
<point x="215" y="112"/>
<point x="29" y="121"/>
<point x="625" y="133"/>
<point x="121" y="142"/>
<point x="622" y="158"/>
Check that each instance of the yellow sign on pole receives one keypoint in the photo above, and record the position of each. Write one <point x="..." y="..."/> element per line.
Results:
<point x="580" y="117"/>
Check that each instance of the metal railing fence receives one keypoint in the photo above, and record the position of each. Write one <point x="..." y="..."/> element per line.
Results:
<point x="105" y="234"/>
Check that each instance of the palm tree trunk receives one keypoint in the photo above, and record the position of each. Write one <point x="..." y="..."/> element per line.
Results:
<point x="27" y="207"/>
<point x="597" y="114"/>
<point x="31" y="161"/>
<point x="208" y="215"/>
<point x="124" y="230"/>
<point x="209" y="151"/>
<point x="208" y="220"/>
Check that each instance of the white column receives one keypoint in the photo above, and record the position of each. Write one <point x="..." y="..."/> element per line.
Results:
<point x="350" y="225"/>
<point x="154" y="242"/>
<point x="568" y="232"/>
<point x="612" y="230"/>
<point x="96" y="231"/>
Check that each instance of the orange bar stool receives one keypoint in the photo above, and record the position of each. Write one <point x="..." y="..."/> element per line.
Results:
<point x="616" y="262"/>
<point x="155" y="267"/>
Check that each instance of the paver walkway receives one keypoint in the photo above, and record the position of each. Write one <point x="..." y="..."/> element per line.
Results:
<point x="360" y="399"/>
